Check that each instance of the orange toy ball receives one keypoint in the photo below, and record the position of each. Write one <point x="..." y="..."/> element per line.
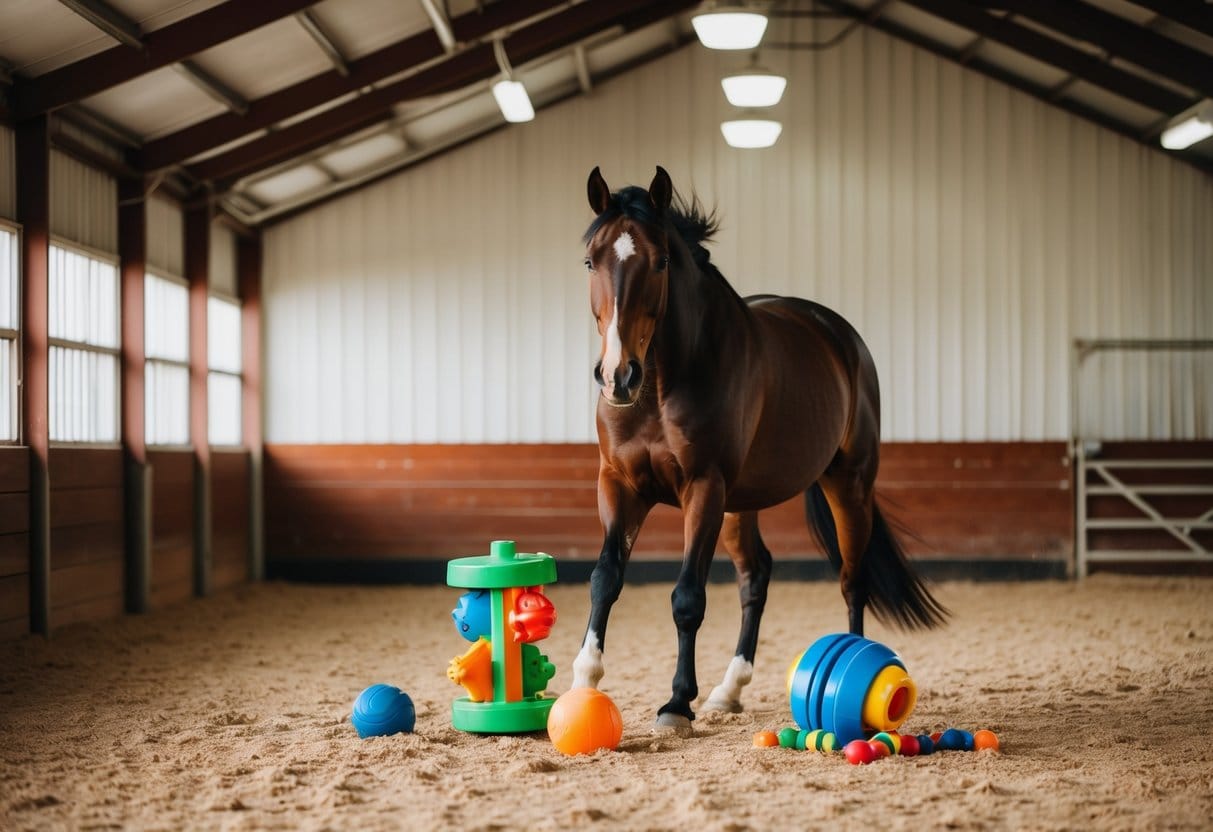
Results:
<point x="766" y="739"/>
<point x="985" y="739"/>
<point x="583" y="721"/>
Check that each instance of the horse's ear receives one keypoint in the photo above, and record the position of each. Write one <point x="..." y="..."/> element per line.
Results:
<point x="598" y="192"/>
<point x="661" y="191"/>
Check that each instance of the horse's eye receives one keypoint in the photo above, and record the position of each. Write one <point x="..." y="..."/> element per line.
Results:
<point x="588" y="264"/>
<point x="662" y="263"/>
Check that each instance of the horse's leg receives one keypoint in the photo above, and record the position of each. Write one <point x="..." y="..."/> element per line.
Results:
<point x="752" y="560"/>
<point x="847" y="486"/>
<point x="703" y="513"/>
<point x="622" y="512"/>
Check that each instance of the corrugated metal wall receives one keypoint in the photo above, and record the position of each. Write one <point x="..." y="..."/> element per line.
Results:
<point x="84" y="204"/>
<point x="8" y="173"/>
<point x="165" y="236"/>
<point x="969" y="232"/>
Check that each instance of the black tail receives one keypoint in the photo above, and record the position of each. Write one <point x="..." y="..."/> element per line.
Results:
<point x="895" y="593"/>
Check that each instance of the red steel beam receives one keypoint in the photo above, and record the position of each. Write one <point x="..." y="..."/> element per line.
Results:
<point x="312" y="92"/>
<point x="162" y="47"/>
<point x="197" y="272"/>
<point x="476" y="64"/>
<point x="248" y="276"/>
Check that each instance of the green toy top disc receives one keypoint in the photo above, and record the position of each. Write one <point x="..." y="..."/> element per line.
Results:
<point x="501" y="569"/>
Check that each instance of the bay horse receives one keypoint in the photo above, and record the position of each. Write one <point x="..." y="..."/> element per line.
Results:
<point x="724" y="406"/>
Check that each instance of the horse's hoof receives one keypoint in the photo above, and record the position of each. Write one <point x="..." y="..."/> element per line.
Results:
<point x="723" y="704"/>
<point x="671" y="723"/>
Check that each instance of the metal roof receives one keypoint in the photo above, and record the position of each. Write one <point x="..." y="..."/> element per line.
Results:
<point x="273" y="105"/>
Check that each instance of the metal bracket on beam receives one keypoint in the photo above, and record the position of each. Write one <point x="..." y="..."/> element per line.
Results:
<point x="213" y="87"/>
<point x="441" y="24"/>
<point x="109" y="20"/>
<point x="307" y="19"/>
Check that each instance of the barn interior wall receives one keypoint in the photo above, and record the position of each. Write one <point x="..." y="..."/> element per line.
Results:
<point x="165" y="237"/>
<point x="968" y="230"/>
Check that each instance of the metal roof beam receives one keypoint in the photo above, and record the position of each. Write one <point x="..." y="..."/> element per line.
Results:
<point x="1049" y="50"/>
<point x="412" y="52"/>
<point x="109" y="20"/>
<point x="308" y="20"/>
<point x="212" y="86"/>
<point x="441" y="23"/>
<point x="478" y="63"/>
<point x="1121" y="38"/>
<point x="1196" y="16"/>
<point x="161" y="48"/>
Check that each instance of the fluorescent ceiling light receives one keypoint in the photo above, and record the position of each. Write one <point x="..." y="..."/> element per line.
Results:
<point x="729" y="26"/>
<point x="754" y="87"/>
<point x="515" y="104"/>
<point x="1189" y="127"/>
<point x="751" y="133"/>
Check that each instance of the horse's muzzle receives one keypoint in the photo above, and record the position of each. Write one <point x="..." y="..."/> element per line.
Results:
<point x="624" y="387"/>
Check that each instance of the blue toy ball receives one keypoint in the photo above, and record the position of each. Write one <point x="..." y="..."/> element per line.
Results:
<point x="473" y="617"/>
<point x="381" y="710"/>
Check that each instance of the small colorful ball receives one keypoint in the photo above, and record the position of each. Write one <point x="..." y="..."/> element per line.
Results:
<point x="890" y="740"/>
<point x="583" y="721"/>
<point x="935" y="737"/>
<point x="951" y="740"/>
<point x="984" y="739"/>
<point x="383" y="710"/>
<point x="966" y="743"/>
<point x="802" y="740"/>
<point x="926" y="745"/>
<point x="909" y="746"/>
<point x="858" y="752"/>
<point x="766" y="739"/>
<point x="879" y="749"/>
<point x="787" y="737"/>
<point x="823" y="741"/>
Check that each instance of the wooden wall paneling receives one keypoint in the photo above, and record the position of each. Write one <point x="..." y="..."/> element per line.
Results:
<point x="132" y="254"/>
<point x="14" y="542"/>
<point x="197" y="257"/>
<point x="172" y="526"/>
<point x="230" y="484"/>
<point x="33" y="212"/>
<point x="248" y="276"/>
<point x="87" y="524"/>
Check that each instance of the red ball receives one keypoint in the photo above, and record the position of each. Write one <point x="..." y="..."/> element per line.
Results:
<point x="909" y="746"/>
<point x="858" y="752"/>
<point x="583" y="721"/>
<point x="879" y="749"/>
<point x="935" y="737"/>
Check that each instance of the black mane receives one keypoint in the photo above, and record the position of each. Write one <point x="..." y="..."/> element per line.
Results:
<point x="687" y="219"/>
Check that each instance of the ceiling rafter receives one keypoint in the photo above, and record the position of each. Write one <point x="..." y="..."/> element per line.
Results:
<point x="477" y="63"/>
<point x="441" y="23"/>
<point x="1122" y="38"/>
<point x="109" y="20"/>
<point x="212" y="86"/>
<point x="305" y="95"/>
<point x="996" y="72"/>
<point x="328" y="45"/>
<point x="1196" y="16"/>
<point x="1035" y="44"/>
<point x="163" y="47"/>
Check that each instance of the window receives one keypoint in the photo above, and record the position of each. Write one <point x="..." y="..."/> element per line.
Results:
<point x="224" y="381"/>
<point x="9" y="322"/>
<point x="166" y="316"/>
<point x="83" y="330"/>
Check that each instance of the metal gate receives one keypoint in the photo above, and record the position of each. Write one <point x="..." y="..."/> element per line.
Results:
<point x="1136" y="480"/>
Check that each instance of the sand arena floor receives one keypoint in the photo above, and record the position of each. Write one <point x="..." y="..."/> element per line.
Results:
<point x="232" y="713"/>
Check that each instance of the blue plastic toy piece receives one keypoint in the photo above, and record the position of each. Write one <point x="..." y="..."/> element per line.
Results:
<point x="473" y="616"/>
<point x="382" y="710"/>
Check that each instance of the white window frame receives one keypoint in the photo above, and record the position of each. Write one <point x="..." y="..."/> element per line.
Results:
<point x="211" y="372"/>
<point x="168" y="362"/>
<point x="14" y="336"/>
<point x="81" y="346"/>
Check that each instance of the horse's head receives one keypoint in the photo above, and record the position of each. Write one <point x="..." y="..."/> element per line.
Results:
<point x="628" y="256"/>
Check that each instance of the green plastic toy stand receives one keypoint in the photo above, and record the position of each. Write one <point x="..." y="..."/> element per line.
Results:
<point x="503" y="572"/>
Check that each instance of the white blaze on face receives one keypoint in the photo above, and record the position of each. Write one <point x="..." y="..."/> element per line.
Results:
<point x="625" y="247"/>
<point x="587" y="667"/>
<point x="614" y="349"/>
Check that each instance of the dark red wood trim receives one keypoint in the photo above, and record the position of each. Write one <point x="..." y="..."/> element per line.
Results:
<point x="160" y="48"/>
<point x="303" y="96"/>
<point x="248" y="277"/>
<point x="477" y="63"/>
<point x="33" y="212"/>
<point x="197" y="272"/>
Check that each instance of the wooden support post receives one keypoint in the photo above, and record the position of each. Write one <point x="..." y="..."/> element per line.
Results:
<point x="248" y="276"/>
<point x="132" y="254"/>
<point x="33" y="212"/>
<point x="197" y="272"/>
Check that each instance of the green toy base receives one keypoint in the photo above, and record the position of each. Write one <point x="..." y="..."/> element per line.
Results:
<point x="501" y="717"/>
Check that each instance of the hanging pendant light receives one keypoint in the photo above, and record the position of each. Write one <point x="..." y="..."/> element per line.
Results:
<point x="511" y="95"/>
<point x="754" y="86"/>
<point x="751" y="132"/>
<point x="729" y="26"/>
